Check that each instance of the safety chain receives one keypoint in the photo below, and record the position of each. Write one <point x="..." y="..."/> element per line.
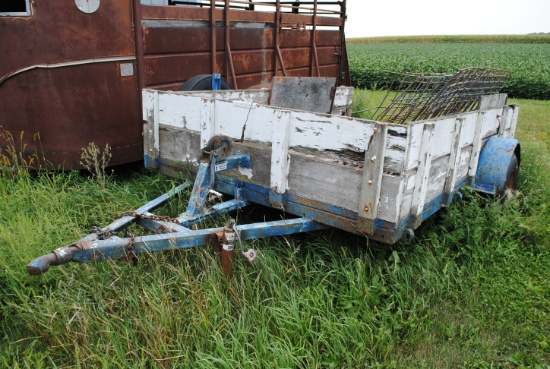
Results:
<point x="162" y="218"/>
<point x="102" y="234"/>
<point x="130" y="256"/>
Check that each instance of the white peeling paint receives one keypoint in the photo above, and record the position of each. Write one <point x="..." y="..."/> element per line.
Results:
<point x="246" y="172"/>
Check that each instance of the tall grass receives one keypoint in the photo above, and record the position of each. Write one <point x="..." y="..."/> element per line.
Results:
<point x="472" y="290"/>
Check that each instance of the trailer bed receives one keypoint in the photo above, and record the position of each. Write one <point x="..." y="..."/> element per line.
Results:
<point x="366" y="177"/>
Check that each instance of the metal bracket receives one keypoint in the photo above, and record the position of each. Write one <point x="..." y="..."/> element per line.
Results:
<point x="216" y="82"/>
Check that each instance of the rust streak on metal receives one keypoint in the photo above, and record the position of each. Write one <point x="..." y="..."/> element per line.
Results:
<point x="276" y="39"/>
<point x="231" y="68"/>
<point x="281" y="60"/>
<point x="213" y="44"/>
<point x="314" y="56"/>
<point x="138" y="39"/>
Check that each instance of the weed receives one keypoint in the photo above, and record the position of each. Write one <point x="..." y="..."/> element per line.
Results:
<point x="96" y="162"/>
<point x="13" y="156"/>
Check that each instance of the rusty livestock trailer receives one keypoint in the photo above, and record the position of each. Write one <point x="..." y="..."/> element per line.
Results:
<point x="72" y="71"/>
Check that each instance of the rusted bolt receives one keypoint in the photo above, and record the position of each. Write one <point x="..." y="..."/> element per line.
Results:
<point x="370" y="182"/>
<point x="366" y="208"/>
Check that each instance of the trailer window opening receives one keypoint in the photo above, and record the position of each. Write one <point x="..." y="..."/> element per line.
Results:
<point x="11" y="8"/>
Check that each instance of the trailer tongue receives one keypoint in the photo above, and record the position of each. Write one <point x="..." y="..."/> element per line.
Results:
<point x="104" y="244"/>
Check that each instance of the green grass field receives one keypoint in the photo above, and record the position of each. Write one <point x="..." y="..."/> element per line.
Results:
<point x="472" y="290"/>
<point x="529" y="63"/>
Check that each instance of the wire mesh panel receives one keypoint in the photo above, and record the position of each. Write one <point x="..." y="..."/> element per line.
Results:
<point x="418" y="96"/>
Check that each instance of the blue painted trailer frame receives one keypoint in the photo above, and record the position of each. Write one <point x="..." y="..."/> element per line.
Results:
<point x="496" y="158"/>
<point x="104" y="244"/>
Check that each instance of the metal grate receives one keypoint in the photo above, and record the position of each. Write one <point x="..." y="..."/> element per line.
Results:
<point x="418" y="96"/>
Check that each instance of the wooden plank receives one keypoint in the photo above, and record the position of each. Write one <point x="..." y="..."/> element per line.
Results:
<point x="156" y="142"/>
<point x="308" y="130"/>
<point x="423" y="173"/>
<point x="452" y="166"/>
<point x="279" y="153"/>
<point x="488" y="102"/>
<point x="414" y="141"/>
<point x="508" y="121"/>
<point x="396" y="149"/>
<point x="491" y="122"/>
<point x="180" y="146"/>
<point x="208" y="120"/>
<point x="436" y="177"/>
<point x="392" y="190"/>
<point x="443" y="134"/>
<point x="468" y="130"/>
<point x="505" y="121"/>
<point x="464" y="163"/>
<point x="476" y="145"/>
<point x="409" y="181"/>
<point x="310" y="177"/>
<point x="303" y="93"/>
<point x="260" y="96"/>
<point x="343" y="100"/>
<point x="371" y="180"/>
<point x="150" y="115"/>
<point x="183" y="109"/>
<point x="316" y="178"/>
<point x="313" y="178"/>
<point x="514" y="122"/>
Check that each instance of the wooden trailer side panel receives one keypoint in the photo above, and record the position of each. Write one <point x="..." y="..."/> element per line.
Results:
<point x="406" y="169"/>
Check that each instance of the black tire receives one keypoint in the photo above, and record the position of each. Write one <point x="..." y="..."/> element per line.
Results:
<point x="202" y="82"/>
<point x="511" y="177"/>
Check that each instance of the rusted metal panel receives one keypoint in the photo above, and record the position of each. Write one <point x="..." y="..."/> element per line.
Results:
<point x="170" y="68"/>
<point x="71" y="106"/>
<point x="301" y="19"/>
<point x="161" y="37"/>
<point x="57" y="31"/>
<point x="297" y="38"/>
<point x="162" y="69"/>
<point x="95" y="98"/>
<point x="197" y="13"/>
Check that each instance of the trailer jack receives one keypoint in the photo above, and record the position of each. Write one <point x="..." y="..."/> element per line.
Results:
<point x="174" y="233"/>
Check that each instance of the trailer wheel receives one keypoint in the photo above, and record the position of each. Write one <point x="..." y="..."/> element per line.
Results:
<point x="511" y="177"/>
<point x="498" y="167"/>
<point x="202" y="82"/>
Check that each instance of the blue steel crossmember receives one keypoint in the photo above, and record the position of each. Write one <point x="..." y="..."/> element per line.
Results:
<point x="496" y="164"/>
<point x="173" y="233"/>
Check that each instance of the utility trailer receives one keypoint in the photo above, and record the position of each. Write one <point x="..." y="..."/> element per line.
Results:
<point x="293" y="147"/>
